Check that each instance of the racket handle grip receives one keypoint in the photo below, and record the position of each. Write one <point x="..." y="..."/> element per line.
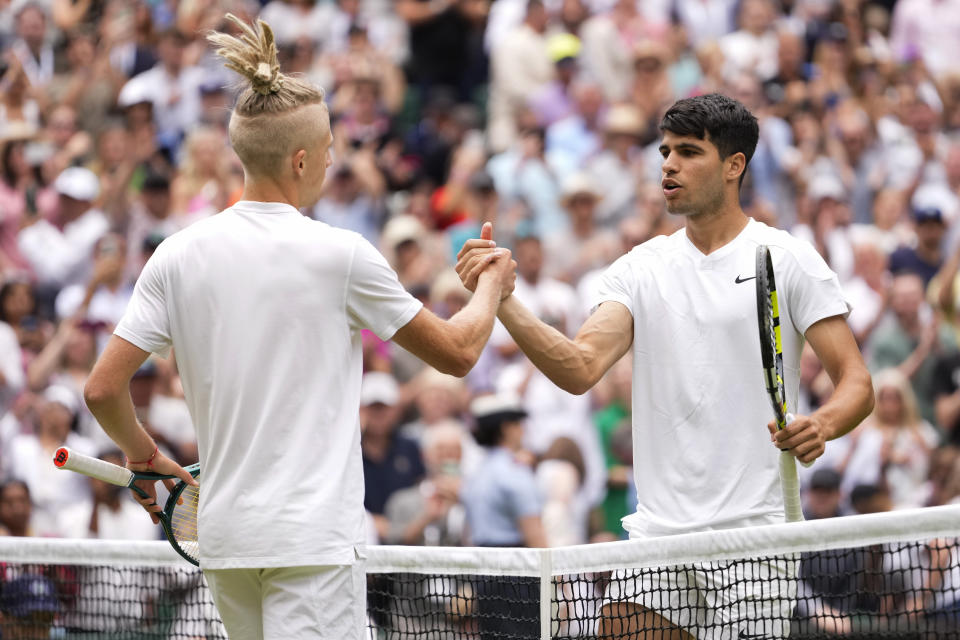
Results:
<point x="67" y="458"/>
<point x="790" y="486"/>
<point x="788" y="419"/>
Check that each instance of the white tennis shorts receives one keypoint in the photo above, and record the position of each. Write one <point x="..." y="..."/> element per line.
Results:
<point x="716" y="600"/>
<point x="291" y="602"/>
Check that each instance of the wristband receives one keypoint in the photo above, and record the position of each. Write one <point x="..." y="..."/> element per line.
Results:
<point x="148" y="461"/>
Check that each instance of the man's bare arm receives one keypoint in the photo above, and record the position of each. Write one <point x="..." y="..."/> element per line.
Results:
<point x="107" y="394"/>
<point x="852" y="398"/>
<point x="573" y="365"/>
<point x="453" y="346"/>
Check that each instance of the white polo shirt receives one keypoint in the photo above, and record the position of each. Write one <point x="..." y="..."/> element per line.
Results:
<point x="702" y="453"/>
<point x="264" y="308"/>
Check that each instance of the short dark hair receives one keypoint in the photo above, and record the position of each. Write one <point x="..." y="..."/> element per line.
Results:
<point x="731" y="126"/>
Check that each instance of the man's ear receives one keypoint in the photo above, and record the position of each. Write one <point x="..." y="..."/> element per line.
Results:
<point x="298" y="162"/>
<point x="736" y="165"/>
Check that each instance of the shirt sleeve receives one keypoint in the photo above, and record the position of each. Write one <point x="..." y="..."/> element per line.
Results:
<point x="146" y="323"/>
<point x="812" y="289"/>
<point x="615" y="285"/>
<point x="375" y="298"/>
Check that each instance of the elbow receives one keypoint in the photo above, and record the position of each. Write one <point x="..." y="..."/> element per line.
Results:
<point x="458" y="365"/>
<point x="576" y="387"/>
<point x="96" y="394"/>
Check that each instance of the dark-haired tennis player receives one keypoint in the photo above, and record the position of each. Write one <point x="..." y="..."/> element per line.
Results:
<point x="265" y="308"/>
<point x="686" y="304"/>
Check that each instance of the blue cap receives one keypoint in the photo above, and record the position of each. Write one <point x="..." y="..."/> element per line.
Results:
<point x="27" y="595"/>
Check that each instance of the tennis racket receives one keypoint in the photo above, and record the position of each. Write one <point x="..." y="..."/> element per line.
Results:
<point x="179" y="515"/>
<point x="768" y="317"/>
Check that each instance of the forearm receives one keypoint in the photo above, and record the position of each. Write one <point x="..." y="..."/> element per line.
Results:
<point x="115" y="414"/>
<point x="471" y="327"/>
<point x="556" y="355"/>
<point x="850" y="403"/>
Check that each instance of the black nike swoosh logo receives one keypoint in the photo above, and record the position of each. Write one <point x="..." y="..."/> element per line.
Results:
<point x="742" y="635"/>
<point x="740" y="279"/>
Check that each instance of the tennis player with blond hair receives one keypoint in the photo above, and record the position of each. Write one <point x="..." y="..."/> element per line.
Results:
<point x="264" y="308"/>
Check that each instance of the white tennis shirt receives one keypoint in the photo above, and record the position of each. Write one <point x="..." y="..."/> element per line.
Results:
<point x="264" y="308"/>
<point x="702" y="453"/>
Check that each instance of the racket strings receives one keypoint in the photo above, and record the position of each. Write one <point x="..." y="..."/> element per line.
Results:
<point x="183" y="520"/>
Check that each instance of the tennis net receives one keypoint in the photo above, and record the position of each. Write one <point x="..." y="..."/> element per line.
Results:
<point x="890" y="575"/>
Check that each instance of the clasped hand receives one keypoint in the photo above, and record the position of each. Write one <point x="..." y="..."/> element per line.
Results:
<point x="481" y="255"/>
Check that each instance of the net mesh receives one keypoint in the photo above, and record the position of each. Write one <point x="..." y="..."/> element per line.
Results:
<point x="893" y="575"/>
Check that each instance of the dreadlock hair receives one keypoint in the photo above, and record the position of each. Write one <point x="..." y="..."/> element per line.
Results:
<point x="269" y="120"/>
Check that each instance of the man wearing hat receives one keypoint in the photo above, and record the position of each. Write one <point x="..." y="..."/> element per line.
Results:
<point x="584" y="245"/>
<point x="63" y="254"/>
<point x="926" y="257"/>
<point x="28" y="608"/>
<point x="503" y="508"/>
<point x="390" y="461"/>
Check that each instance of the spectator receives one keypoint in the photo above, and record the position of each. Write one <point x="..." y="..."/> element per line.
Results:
<point x="11" y="367"/>
<point x="554" y="101"/>
<point x="892" y="447"/>
<point x="103" y="299"/>
<point x="823" y="496"/>
<point x="62" y="255"/>
<point x="16" y="509"/>
<point x="926" y="258"/>
<point x="615" y="168"/>
<point x="31" y="48"/>
<point x="582" y="247"/>
<point x="29" y="607"/>
<point x="390" y="461"/>
<point x="924" y="29"/>
<point x="910" y="338"/>
<point x="22" y="195"/>
<point x="503" y="508"/>
<point x="30" y="456"/>
<point x="18" y="106"/>
<point x="430" y="513"/>
<point x="752" y="48"/>
<point x="88" y="83"/>
<point x="204" y="185"/>
<point x="609" y="39"/>
<point x="172" y="87"/>
<point x="520" y="67"/>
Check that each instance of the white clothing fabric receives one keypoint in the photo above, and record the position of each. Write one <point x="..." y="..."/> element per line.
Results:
<point x="905" y="466"/>
<point x="62" y="257"/>
<point x="927" y="27"/>
<point x="702" y="454"/>
<point x="51" y="490"/>
<point x="744" y="52"/>
<point x="105" y="306"/>
<point x="12" y="377"/>
<point x="129" y="522"/>
<point x="298" y="602"/>
<point x="722" y="600"/>
<point x="170" y="416"/>
<point x="705" y="20"/>
<point x="265" y="308"/>
<point x="175" y="99"/>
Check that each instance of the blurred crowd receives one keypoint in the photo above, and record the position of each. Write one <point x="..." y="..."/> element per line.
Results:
<point x="538" y="115"/>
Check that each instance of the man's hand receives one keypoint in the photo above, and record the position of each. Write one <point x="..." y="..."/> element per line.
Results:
<point x="479" y="253"/>
<point x="159" y="464"/>
<point x="804" y="438"/>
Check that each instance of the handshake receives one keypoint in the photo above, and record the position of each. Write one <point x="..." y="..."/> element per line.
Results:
<point x="481" y="258"/>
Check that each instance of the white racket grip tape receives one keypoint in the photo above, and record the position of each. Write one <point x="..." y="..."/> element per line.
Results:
<point x="67" y="458"/>
<point x="789" y="419"/>
<point x="790" y="485"/>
